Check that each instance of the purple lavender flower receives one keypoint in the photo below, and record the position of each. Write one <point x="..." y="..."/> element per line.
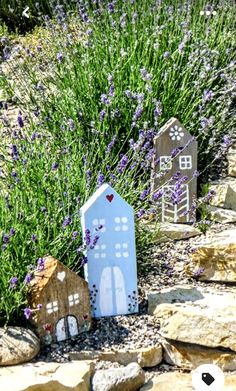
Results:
<point x="158" y="110"/>
<point x="84" y="260"/>
<point x="29" y="277"/>
<point x="6" y="238"/>
<point x="60" y="57"/>
<point x="138" y="112"/>
<point x="28" y="312"/>
<point x="54" y="166"/>
<point x="112" y="91"/>
<point x="144" y="194"/>
<point x="145" y="75"/>
<point x="34" y="237"/>
<point x="100" y="179"/>
<point x="71" y="124"/>
<point x="74" y="235"/>
<point x="102" y="115"/>
<point x="157" y="195"/>
<point x="13" y="282"/>
<point x="207" y="96"/>
<point x="67" y="221"/>
<point x="39" y="306"/>
<point x="122" y="164"/>
<point x="41" y="264"/>
<point x="140" y="213"/>
<point x="105" y="100"/>
<point x="196" y="173"/>
<point x="12" y="231"/>
<point x="20" y="120"/>
<point x="111" y="144"/>
<point x="199" y="272"/>
<point x="88" y="174"/>
<point x="227" y="141"/>
<point x="166" y="54"/>
<point x="43" y="209"/>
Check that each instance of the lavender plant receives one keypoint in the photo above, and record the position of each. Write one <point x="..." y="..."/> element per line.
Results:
<point x="91" y="90"/>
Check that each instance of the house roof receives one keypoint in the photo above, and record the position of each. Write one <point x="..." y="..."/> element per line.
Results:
<point x="41" y="277"/>
<point x="104" y="189"/>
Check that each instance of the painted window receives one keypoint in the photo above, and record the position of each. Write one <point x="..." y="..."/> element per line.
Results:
<point x="97" y="222"/>
<point x="185" y="162"/>
<point x="121" y="250"/>
<point x="52" y="307"/>
<point x="121" y="223"/>
<point x="100" y="251"/>
<point x="165" y="163"/>
<point x="73" y="299"/>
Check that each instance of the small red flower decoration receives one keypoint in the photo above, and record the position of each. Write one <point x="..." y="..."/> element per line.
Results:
<point x="47" y="327"/>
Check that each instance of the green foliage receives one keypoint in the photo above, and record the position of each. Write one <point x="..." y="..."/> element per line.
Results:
<point x="80" y="84"/>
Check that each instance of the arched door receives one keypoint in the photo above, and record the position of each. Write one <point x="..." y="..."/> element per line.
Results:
<point x="72" y="325"/>
<point x="61" y="330"/>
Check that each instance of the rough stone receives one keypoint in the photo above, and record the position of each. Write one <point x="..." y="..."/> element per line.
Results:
<point x="178" y="293"/>
<point x="181" y="382"/>
<point x="17" y="345"/>
<point x="221" y="215"/>
<point x="216" y="257"/>
<point x="170" y="231"/>
<point x="225" y="193"/>
<point x="199" y="324"/>
<point x="231" y="157"/>
<point x="145" y="357"/>
<point x="73" y="376"/>
<point x="129" y="378"/>
<point x="188" y="356"/>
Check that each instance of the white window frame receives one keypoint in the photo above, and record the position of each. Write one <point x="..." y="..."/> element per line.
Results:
<point x="52" y="307"/>
<point x="185" y="162"/>
<point x="73" y="299"/>
<point x="164" y="164"/>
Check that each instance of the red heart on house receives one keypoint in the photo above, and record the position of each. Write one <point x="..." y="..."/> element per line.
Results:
<point x="110" y="197"/>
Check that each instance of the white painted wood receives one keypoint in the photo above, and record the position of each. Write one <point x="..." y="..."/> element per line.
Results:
<point x="61" y="276"/>
<point x="61" y="330"/>
<point x="72" y="325"/>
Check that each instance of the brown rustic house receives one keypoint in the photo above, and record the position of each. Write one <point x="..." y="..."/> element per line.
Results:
<point x="65" y="301"/>
<point x="175" y="157"/>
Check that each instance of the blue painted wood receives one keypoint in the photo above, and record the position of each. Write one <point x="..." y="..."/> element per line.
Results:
<point x="111" y="270"/>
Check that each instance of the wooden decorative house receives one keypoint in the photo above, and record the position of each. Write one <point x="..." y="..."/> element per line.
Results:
<point x="63" y="301"/>
<point x="174" y="173"/>
<point x="111" y="270"/>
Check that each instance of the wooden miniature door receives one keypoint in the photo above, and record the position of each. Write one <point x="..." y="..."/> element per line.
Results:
<point x="72" y="326"/>
<point x="66" y="328"/>
<point x="112" y="287"/>
<point x="61" y="330"/>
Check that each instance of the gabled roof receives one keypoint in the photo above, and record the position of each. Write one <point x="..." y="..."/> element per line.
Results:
<point x="105" y="189"/>
<point x="42" y="277"/>
<point x="171" y="122"/>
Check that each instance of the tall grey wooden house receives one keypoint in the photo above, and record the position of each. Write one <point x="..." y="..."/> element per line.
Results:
<point x="175" y="158"/>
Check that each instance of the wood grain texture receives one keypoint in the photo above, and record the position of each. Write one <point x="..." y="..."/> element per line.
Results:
<point x="62" y="294"/>
<point x="173" y="135"/>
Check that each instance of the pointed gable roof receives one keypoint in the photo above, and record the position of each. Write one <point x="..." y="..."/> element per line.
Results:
<point x="105" y="190"/>
<point x="171" y="123"/>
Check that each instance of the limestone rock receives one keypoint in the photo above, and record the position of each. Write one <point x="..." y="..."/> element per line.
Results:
<point x="129" y="378"/>
<point x="73" y="376"/>
<point x="17" y="345"/>
<point x="190" y="356"/>
<point x="145" y="357"/>
<point x="231" y="157"/>
<point x="216" y="257"/>
<point x="221" y="215"/>
<point x="198" y="324"/>
<point x="170" y="231"/>
<point x="225" y="193"/>
<point x="178" y="381"/>
<point x="178" y="293"/>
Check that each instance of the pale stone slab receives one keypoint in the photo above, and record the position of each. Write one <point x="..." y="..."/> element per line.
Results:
<point x="73" y="376"/>
<point x="209" y="326"/>
<point x="164" y="232"/>
<point x="188" y="356"/>
<point x="145" y="357"/>
<point x="129" y="378"/>
<point x="221" y="215"/>
<point x="216" y="257"/>
<point x="178" y="381"/>
<point x="17" y="345"/>
<point x="225" y="193"/>
<point x="231" y="157"/>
